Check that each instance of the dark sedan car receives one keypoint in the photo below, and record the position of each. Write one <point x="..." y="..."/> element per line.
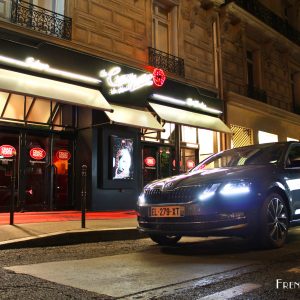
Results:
<point x="251" y="191"/>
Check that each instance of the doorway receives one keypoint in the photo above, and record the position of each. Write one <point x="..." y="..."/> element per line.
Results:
<point x="158" y="162"/>
<point x="44" y="171"/>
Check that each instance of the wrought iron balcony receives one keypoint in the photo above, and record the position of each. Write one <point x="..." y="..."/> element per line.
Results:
<point x="41" y="19"/>
<point x="261" y="12"/>
<point x="256" y="93"/>
<point x="166" y="61"/>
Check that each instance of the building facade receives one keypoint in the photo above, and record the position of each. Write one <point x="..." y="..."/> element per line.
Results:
<point x="137" y="90"/>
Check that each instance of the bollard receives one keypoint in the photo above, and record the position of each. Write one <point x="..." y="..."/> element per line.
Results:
<point x="12" y="199"/>
<point x="83" y="194"/>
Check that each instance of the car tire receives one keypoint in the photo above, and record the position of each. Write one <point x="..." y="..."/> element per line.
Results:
<point x="165" y="240"/>
<point x="274" y="222"/>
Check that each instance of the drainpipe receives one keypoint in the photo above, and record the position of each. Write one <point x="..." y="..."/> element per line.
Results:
<point x="225" y="138"/>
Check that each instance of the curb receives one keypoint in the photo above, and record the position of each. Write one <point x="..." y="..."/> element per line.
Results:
<point x="74" y="237"/>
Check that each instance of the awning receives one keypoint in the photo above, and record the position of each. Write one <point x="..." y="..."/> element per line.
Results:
<point x="185" y="117"/>
<point x="134" y="118"/>
<point x="20" y="83"/>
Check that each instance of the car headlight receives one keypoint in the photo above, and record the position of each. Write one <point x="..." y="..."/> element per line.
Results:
<point x="236" y="188"/>
<point x="141" y="199"/>
<point x="208" y="192"/>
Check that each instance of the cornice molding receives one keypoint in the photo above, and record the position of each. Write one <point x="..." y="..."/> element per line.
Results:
<point x="261" y="108"/>
<point x="232" y="10"/>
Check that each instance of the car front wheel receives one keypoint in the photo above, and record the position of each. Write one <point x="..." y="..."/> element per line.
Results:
<point x="274" y="222"/>
<point x="165" y="240"/>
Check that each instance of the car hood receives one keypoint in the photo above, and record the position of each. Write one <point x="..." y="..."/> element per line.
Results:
<point x="213" y="175"/>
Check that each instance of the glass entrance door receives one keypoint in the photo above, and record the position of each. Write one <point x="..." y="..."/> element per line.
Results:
<point x="35" y="187"/>
<point x="62" y="173"/>
<point x="157" y="162"/>
<point x="8" y="140"/>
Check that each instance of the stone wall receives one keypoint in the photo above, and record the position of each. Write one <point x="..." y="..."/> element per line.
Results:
<point x="121" y="29"/>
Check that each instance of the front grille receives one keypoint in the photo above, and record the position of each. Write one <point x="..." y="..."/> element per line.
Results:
<point x="178" y="195"/>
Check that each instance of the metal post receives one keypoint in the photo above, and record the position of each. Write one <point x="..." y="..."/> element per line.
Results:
<point x="83" y="194"/>
<point x="12" y="200"/>
<point x="177" y="148"/>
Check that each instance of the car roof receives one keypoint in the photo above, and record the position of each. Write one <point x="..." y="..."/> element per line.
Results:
<point x="263" y="145"/>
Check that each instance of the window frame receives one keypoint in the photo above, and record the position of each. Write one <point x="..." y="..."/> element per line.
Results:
<point x="172" y="24"/>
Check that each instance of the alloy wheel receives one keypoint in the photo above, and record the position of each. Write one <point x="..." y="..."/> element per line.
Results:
<point x="277" y="219"/>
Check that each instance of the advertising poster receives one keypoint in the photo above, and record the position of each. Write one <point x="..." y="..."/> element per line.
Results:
<point x="122" y="158"/>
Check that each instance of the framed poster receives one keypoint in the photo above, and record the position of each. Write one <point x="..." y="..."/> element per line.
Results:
<point x="121" y="151"/>
<point x="119" y="158"/>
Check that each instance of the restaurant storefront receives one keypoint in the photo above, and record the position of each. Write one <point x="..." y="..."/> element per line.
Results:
<point x="61" y="109"/>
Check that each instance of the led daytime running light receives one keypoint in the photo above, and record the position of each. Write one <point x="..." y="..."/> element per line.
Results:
<point x="235" y="188"/>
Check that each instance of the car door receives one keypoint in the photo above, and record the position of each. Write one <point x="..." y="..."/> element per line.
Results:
<point x="293" y="177"/>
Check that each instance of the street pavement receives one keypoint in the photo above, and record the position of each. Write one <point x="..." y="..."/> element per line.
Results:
<point x="67" y="229"/>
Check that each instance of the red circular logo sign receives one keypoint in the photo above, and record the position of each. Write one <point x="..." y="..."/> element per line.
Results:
<point x="7" y="151"/>
<point x="63" y="154"/>
<point x="37" y="153"/>
<point x="150" y="161"/>
<point x="159" y="77"/>
<point x="190" y="164"/>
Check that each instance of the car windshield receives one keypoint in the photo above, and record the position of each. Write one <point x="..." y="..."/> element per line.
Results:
<point x="253" y="155"/>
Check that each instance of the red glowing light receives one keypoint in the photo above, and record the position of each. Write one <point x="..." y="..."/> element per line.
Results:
<point x="37" y="153"/>
<point x="150" y="161"/>
<point x="174" y="163"/>
<point x="159" y="77"/>
<point x="190" y="164"/>
<point x="63" y="154"/>
<point x="7" y="151"/>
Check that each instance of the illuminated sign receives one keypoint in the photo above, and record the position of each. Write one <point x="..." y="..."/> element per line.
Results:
<point x="189" y="102"/>
<point x="7" y="151"/>
<point x="150" y="161"/>
<point x="159" y="77"/>
<point x="63" y="154"/>
<point x="121" y="83"/>
<point x="37" y="153"/>
<point x="37" y="65"/>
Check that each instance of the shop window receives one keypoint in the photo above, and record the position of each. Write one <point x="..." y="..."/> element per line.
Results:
<point x="207" y="143"/>
<point x="168" y="136"/>
<point x="188" y="159"/>
<point x="241" y="136"/>
<point x="291" y="139"/>
<point x="164" y="27"/>
<point x="13" y="109"/>
<point x="24" y="109"/>
<point x="189" y="134"/>
<point x="150" y="135"/>
<point x="169" y="133"/>
<point x="266" y="137"/>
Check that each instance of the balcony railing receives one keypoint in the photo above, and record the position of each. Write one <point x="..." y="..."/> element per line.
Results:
<point x="41" y="19"/>
<point x="261" y="12"/>
<point x="256" y="93"/>
<point x="166" y="61"/>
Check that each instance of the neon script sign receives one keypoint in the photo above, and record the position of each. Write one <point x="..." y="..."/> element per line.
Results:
<point x="121" y="83"/>
<point x="37" y="65"/>
<point x="187" y="102"/>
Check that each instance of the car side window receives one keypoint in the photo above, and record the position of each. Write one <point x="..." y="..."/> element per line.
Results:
<point x="293" y="158"/>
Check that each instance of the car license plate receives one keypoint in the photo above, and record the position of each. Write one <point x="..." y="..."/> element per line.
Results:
<point x="167" y="211"/>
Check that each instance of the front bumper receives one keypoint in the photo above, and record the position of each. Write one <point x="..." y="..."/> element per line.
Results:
<point x="194" y="223"/>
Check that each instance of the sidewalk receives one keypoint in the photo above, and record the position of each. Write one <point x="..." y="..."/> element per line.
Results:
<point x="64" y="227"/>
